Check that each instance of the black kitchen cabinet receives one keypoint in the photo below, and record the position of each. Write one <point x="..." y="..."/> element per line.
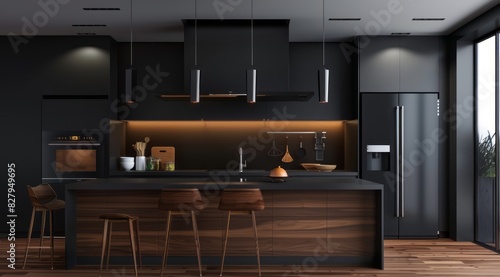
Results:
<point x="399" y="64"/>
<point x="379" y="64"/>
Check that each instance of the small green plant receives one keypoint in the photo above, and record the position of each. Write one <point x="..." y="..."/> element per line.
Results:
<point x="486" y="156"/>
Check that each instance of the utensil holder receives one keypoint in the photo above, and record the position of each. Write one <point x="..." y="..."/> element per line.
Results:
<point x="140" y="163"/>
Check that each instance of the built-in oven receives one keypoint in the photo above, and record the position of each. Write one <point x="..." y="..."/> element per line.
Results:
<point x="72" y="156"/>
<point x="68" y="157"/>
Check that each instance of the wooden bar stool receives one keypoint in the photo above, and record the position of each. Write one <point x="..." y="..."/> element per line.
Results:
<point x="43" y="199"/>
<point x="133" y="230"/>
<point x="241" y="201"/>
<point x="181" y="202"/>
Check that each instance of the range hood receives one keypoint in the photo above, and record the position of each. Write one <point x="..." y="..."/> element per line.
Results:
<point x="224" y="56"/>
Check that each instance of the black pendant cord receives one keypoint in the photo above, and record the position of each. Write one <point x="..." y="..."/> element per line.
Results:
<point x="251" y="30"/>
<point x="195" y="33"/>
<point x="131" y="34"/>
<point x="323" y="33"/>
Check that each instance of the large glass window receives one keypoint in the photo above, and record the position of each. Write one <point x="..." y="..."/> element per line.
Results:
<point x="486" y="98"/>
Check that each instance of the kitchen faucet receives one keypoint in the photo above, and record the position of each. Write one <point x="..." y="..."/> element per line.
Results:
<point x="242" y="165"/>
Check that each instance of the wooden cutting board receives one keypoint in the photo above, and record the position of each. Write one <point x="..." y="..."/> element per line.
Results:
<point x="165" y="153"/>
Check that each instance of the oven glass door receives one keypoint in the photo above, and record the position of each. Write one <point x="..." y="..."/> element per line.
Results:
<point x="71" y="160"/>
<point x="75" y="160"/>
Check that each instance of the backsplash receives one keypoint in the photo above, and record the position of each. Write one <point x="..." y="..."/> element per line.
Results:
<point x="214" y="144"/>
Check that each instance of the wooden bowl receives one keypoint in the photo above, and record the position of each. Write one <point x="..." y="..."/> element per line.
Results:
<point x="309" y="166"/>
<point x="326" y="167"/>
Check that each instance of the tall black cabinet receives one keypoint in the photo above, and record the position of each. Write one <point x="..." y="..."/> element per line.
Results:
<point x="399" y="148"/>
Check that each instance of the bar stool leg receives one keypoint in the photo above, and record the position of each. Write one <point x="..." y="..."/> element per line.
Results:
<point x="108" y="242"/>
<point x="104" y="242"/>
<point x="132" y="243"/>
<point x="196" y="239"/>
<point x="51" y="241"/>
<point x="29" y="236"/>
<point x="138" y="242"/>
<point x="42" y="231"/>
<point x="225" y="242"/>
<point x="256" y="240"/>
<point x="167" y="237"/>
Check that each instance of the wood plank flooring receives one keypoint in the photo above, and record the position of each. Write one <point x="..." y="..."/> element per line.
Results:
<point x="405" y="258"/>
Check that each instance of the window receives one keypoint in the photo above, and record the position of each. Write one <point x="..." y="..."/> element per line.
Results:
<point x="486" y="132"/>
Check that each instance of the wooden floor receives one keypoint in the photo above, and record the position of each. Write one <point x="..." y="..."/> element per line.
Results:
<point x="442" y="257"/>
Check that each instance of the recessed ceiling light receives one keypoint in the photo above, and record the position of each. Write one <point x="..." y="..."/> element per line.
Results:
<point x="101" y="9"/>
<point x="345" y="19"/>
<point x="400" y="34"/>
<point x="89" y="25"/>
<point x="428" y="19"/>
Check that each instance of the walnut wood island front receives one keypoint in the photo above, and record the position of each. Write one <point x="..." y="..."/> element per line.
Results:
<point x="307" y="222"/>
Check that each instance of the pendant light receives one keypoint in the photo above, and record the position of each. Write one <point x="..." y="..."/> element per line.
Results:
<point x="324" y="73"/>
<point x="130" y="73"/>
<point x="195" y="73"/>
<point x="251" y="73"/>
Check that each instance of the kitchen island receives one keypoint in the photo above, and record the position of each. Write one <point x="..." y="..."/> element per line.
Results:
<point x="308" y="221"/>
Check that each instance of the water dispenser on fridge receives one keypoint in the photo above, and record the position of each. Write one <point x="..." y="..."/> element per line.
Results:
<point x="377" y="157"/>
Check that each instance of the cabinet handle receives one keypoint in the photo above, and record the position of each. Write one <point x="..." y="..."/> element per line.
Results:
<point x="397" y="162"/>
<point x="402" y="159"/>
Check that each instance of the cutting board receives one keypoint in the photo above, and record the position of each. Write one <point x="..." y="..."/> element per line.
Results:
<point x="165" y="153"/>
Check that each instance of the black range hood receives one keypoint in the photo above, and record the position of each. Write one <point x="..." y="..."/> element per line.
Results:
<point x="224" y="56"/>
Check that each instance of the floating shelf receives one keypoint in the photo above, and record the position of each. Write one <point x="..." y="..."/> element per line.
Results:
<point x="276" y="96"/>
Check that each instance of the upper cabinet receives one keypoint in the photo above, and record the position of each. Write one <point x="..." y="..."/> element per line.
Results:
<point x="73" y="65"/>
<point x="399" y="64"/>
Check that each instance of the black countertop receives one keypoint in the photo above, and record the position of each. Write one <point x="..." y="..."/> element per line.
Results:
<point x="225" y="181"/>
<point x="232" y="173"/>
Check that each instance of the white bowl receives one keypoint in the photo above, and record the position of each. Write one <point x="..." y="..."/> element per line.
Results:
<point x="128" y="159"/>
<point x="127" y="165"/>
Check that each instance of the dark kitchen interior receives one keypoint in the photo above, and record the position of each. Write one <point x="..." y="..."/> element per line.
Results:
<point x="58" y="86"/>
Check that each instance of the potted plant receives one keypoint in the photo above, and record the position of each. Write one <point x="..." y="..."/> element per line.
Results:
<point x="486" y="156"/>
<point x="485" y="190"/>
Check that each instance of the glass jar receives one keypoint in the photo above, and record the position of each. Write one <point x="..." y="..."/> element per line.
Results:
<point x="169" y="166"/>
<point x="150" y="164"/>
<point x="156" y="164"/>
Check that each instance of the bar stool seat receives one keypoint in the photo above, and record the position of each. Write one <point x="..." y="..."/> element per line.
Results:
<point x="241" y="201"/>
<point x="109" y="219"/>
<point x="43" y="199"/>
<point x="181" y="202"/>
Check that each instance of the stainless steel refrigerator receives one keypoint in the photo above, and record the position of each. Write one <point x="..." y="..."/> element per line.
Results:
<point x="399" y="140"/>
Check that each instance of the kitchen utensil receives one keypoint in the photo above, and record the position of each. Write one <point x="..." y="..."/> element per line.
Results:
<point x="140" y="147"/>
<point x="287" y="158"/>
<point x="301" y="152"/>
<point x="274" y="152"/>
<point x="146" y="140"/>
<point x="136" y="150"/>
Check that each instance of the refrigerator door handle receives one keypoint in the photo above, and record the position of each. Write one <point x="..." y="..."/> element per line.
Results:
<point x="397" y="162"/>
<point x="402" y="159"/>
